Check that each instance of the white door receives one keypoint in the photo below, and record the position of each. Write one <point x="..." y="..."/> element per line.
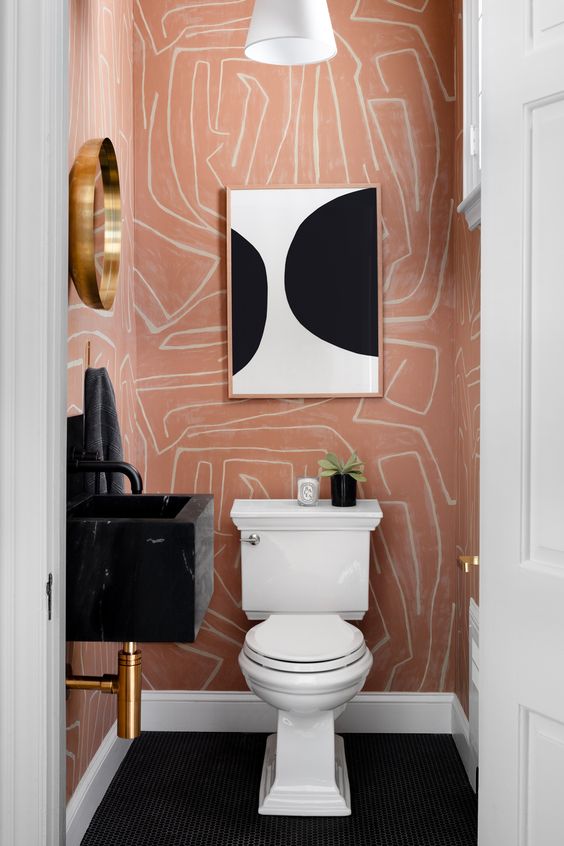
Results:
<point x="522" y="455"/>
<point x="33" y="305"/>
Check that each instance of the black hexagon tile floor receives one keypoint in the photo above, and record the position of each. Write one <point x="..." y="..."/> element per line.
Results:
<point x="201" y="789"/>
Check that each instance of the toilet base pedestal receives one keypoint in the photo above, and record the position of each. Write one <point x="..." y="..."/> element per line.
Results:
<point x="305" y="772"/>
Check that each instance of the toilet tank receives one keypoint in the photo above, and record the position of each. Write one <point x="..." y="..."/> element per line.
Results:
<point x="308" y="560"/>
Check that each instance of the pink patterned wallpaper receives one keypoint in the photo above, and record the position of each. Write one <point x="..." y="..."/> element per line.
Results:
<point x="466" y="271"/>
<point x="381" y="111"/>
<point x="101" y="104"/>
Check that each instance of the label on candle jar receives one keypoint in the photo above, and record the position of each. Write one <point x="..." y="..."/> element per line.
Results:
<point x="308" y="490"/>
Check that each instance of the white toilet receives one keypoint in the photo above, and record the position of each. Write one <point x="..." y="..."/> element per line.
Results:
<point x="304" y="571"/>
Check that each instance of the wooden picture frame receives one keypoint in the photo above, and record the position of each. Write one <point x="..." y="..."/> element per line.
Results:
<point x="304" y="291"/>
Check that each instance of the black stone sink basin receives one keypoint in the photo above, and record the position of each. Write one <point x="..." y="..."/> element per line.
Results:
<point x="147" y="507"/>
<point x="138" y="567"/>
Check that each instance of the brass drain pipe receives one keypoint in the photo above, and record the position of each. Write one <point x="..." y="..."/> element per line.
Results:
<point x="127" y="685"/>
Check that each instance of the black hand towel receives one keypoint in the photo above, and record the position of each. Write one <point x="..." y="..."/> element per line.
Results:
<point x="101" y="428"/>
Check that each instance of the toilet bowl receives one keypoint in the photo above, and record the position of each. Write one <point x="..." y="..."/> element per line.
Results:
<point x="304" y="573"/>
<point x="308" y="667"/>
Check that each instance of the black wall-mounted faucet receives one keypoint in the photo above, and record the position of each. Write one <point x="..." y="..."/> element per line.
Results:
<point x="97" y="466"/>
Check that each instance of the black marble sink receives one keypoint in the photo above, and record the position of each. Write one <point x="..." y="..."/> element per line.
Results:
<point x="138" y="567"/>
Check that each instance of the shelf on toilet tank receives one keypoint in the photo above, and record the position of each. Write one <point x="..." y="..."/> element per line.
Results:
<point x="138" y="567"/>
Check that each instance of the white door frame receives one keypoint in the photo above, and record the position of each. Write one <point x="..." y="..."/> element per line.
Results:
<point x="33" y="316"/>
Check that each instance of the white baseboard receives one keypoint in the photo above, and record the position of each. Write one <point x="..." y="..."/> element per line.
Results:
<point x="398" y="713"/>
<point x="461" y="736"/>
<point x="181" y="710"/>
<point x="93" y="784"/>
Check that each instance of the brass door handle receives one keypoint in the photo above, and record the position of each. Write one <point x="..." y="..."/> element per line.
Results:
<point x="467" y="561"/>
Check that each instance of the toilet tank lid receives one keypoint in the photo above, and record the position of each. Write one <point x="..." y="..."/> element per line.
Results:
<point x="288" y="515"/>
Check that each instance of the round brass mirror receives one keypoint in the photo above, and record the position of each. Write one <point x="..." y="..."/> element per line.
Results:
<point x="95" y="159"/>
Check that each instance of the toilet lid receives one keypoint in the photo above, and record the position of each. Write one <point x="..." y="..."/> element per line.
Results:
<point x="304" y="666"/>
<point x="304" y="638"/>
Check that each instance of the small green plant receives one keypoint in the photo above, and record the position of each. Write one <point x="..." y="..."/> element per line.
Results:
<point x="353" y="466"/>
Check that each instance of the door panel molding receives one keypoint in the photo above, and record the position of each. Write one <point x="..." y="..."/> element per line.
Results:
<point x="546" y="23"/>
<point x="543" y="339"/>
<point x="541" y="775"/>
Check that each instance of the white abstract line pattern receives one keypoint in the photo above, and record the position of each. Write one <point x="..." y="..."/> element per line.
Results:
<point x="381" y="111"/>
<point x="101" y="104"/>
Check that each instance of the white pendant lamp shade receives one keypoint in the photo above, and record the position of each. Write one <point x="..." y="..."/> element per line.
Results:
<point x="290" y="32"/>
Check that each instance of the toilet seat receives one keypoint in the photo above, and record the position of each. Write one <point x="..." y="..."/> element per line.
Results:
<point x="304" y="666"/>
<point x="304" y="643"/>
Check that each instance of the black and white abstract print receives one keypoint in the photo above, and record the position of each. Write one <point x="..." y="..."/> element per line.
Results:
<point x="305" y="313"/>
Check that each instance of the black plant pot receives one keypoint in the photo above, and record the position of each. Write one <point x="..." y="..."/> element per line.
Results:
<point x="343" y="490"/>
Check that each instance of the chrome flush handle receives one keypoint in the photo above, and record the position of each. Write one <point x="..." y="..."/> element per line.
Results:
<point x="253" y="539"/>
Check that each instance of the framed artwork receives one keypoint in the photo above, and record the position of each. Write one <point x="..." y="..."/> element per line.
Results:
<point x="304" y="291"/>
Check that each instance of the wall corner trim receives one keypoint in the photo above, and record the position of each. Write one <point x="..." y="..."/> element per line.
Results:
<point x="474" y="614"/>
<point x="93" y="785"/>
<point x="461" y="737"/>
<point x="471" y="208"/>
